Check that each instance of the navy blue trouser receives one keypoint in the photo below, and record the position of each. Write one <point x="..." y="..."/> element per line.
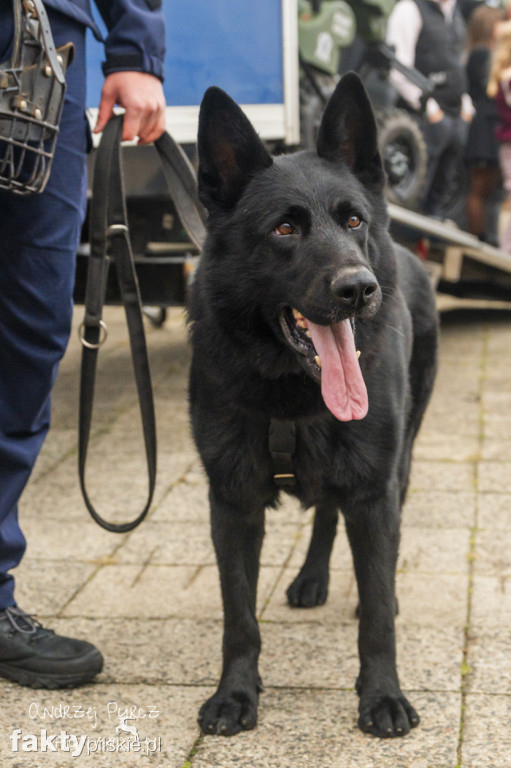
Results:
<point x="38" y="241"/>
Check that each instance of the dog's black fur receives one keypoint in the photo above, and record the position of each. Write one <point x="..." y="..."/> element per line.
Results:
<point x="309" y="231"/>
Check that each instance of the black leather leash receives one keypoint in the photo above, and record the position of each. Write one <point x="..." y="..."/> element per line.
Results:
<point x="110" y="241"/>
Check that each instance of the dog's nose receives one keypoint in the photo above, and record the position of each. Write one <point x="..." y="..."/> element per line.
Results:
<point x="354" y="288"/>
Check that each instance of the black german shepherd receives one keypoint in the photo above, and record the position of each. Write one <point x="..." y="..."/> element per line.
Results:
<point x="298" y="279"/>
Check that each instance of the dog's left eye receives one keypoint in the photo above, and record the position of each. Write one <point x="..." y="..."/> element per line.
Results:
<point x="285" y="229"/>
<point x="354" y="221"/>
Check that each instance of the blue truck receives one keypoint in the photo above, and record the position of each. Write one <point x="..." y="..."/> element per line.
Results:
<point x="248" y="49"/>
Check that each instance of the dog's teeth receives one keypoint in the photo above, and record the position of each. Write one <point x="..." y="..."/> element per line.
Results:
<point x="317" y="360"/>
<point x="308" y="334"/>
<point x="358" y="353"/>
<point x="297" y="315"/>
<point x="302" y="323"/>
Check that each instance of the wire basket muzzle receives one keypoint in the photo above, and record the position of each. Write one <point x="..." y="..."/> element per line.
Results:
<point x="32" y="90"/>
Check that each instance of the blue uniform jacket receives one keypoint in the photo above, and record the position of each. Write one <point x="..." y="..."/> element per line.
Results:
<point x="136" y="32"/>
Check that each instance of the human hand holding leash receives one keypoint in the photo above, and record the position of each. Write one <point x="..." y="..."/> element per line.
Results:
<point x="141" y="95"/>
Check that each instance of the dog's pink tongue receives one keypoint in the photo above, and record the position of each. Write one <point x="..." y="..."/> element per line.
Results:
<point x="342" y="385"/>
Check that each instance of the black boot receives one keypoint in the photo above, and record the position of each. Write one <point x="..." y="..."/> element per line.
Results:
<point x="34" y="656"/>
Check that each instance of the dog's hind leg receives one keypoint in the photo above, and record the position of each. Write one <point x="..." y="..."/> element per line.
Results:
<point x="237" y="537"/>
<point x="310" y="587"/>
<point x="372" y="525"/>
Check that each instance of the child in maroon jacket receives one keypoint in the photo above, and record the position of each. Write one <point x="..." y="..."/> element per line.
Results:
<point x="499" y="87"/>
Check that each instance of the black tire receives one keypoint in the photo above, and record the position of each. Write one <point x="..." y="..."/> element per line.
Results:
<point x="404" y="155"/>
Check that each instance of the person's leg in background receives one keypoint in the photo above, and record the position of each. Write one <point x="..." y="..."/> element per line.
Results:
<point x="484" y="182"/>
<point x="446" y="143"/>
<point x="39" y="236"/>
<point x="436" y="136"/>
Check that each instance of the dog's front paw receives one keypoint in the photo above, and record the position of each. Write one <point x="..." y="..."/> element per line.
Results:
<point x="387" y="716"/>
<point x="308" y="590"/>
<point x="226" y="714"/>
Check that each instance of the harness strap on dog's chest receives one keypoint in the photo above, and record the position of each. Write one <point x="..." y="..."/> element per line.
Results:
<point x="282" y="445"/>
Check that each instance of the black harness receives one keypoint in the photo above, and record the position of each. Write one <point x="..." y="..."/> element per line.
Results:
<point x="282" y="446"/>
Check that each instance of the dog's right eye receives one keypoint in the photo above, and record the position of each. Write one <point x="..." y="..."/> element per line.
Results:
<point x="285" y="229"/>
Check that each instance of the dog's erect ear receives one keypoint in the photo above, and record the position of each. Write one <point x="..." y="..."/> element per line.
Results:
<point x="230" y="151"/>
<point x="348" y="130"/>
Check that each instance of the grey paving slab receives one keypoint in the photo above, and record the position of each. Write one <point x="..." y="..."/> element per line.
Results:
<point x="169" y="543"/>
<point x="496" y="449"/>
<point x="58" y="445"/>
<point x="165" y="722"/>
<point x="491" y="602"/>
<point x="435" y="600"/>
<point x="422" y="549"/>
<point x="300" y="729"/>
<point x="425" y="550"/>
<point x="124" y="436"/>
<point x="456" y="343"/>
<point x="493" y="553"/>
<point x="494" y="476"/>
<point x="310" y="654"/>
<point x="448" y="417"/>
<point x="489" y="660"/>
<point x="62" y="538"/>
<point x="315" y="655"/>
<point x="487" y="738"/>
<point x="187" y="501"/>
<point x="117" y="488"/>
<point x="496" y="426"/>
<point x="494" y="511"/>
<point x="281" y="541"/>
<point x="44" y="587"/>
<point x="498" y="341"/>
<point x="442" y="476"/>
<point x="498" y="400"/>
<point x="496" y="376"/>
<point x="158" y="591"/>
<point x="425" y="599"/>
<point x="161" y="651"/>
<point x="452" y="374"/>
<point x="439" y="509"/>
<point x="440" y="445"/>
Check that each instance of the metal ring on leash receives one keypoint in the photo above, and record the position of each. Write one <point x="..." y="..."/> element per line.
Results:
<point x="102" y="338"/>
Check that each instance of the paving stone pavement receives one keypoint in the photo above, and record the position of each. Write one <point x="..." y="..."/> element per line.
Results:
<point x="150" y="599"/>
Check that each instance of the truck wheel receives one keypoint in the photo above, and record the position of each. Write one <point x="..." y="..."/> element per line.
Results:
<point x="404" y="156"/>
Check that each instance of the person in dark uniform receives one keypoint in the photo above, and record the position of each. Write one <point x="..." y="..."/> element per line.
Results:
<point x="39" y="236"/>
<point x="430" y="35"/>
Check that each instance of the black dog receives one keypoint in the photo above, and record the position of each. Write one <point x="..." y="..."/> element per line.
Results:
<point x="298" y="276"/>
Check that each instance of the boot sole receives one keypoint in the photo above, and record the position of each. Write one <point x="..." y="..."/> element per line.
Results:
<point x="50" y="681"/>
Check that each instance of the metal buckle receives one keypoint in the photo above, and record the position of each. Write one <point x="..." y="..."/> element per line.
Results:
<point x="287" y="480"/>
<point x="117" y="229"/>
<point x="102" y="338"/>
